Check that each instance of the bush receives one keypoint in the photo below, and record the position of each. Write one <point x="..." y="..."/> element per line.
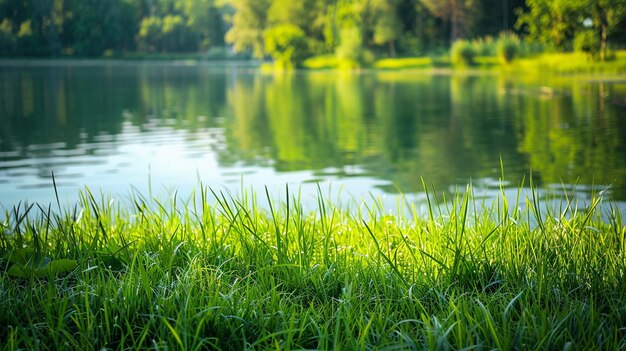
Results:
<point x="462" y="53"/>
<point x="485" y="46"/>
<point x="587" y="41"/>
<point x="508" y="47"/>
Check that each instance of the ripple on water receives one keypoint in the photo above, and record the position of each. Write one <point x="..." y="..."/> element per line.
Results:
<point x="47" y="185"/>
<point x="9" y="155"/>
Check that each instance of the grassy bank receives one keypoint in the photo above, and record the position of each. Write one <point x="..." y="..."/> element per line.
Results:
<point x="570" y="63"/>
<point x="548" y="63"/>
<point x="217" y="272"/>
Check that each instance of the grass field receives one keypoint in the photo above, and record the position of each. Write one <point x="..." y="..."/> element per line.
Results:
<point x="218" y="272"/>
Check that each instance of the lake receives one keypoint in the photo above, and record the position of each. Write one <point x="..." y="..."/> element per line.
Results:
<point x="165" y="127"/>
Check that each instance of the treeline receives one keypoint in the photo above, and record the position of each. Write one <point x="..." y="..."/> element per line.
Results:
<point x="291" y="30"/>
<point x="109" y="27"/>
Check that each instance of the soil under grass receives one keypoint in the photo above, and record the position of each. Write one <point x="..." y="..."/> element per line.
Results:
<point x="220" y="272"/>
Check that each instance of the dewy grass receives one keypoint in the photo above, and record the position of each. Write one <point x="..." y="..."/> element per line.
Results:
<point x="217" y="271"/>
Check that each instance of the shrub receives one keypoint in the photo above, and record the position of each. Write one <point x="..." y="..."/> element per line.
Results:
<point x="462" y="53"/>
<point x="587" y="41"/>
<point x="485" y="46"/>
<point x="508" y="47"/>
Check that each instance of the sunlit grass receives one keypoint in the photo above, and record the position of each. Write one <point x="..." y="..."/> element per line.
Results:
<point x="551" y="63"/>
<point x="216" y="271"/>
<point x="487" y="61"/>
<point x="322" y="62"/>
<point x="570" y="63"/>
<point x="404" y="63"/>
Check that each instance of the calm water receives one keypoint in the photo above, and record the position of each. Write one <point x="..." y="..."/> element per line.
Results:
<point x="158" y="127"/>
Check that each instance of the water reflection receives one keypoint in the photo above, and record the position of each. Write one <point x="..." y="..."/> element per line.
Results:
<point x="113" y="125"/>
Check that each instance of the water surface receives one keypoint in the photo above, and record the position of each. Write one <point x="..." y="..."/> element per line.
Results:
<point x="114" y="126"/>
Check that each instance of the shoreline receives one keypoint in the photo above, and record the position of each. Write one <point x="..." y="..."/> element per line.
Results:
<point x="612" y="70"/>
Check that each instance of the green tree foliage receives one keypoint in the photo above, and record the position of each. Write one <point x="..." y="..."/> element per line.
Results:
<point x="308" y="15"/>
<point x="204" y="20"/>
<point x="607" y="15"/>
<point x="174" y="33"/>
<point x="556" y="22"/>
<point x="458" y="13"/>
<point x="248" y="25"/>
<point x="350" y="19"/>
<point x="350" y="48"/>
<point x="47" y="24"/>
<point x="103" y="25"/>
<point x="286" y="43"/>
<point x="7" y="38"/>
<point x="387" y="26"/>
<point x="150" y="31"/>
<point x="351" y="29"/>
<point x="551" y="22"/>
<point x="588" y="42"/>
<point x="462" y="53"/>
<point x="495" y="16"/>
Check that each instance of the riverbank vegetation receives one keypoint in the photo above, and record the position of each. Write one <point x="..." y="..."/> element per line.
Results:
<point x="354" y="33"/>
<point x="216" y="271"/>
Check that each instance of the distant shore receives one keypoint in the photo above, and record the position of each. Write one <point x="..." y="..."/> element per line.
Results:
<point x="552" y="63"/>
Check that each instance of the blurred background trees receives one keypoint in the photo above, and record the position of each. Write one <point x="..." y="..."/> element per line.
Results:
<point x="289" y="30"/>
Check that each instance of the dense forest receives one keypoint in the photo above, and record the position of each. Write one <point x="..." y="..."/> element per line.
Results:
<point x="294" y="30"/>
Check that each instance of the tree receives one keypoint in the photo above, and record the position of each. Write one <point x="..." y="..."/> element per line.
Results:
<point x="555" y="22"/>
<point x="7" y="38"/>
<point x="606" y="15"/>
<point x="248" y="25"/>
<point x="286" y="43"/>
<point x="350" y="49"/>
<point x="204" y="21"/>
<point x="149" y="37"/>
<point x="173" y="33"/>
<point x="101" y="25"/>
<point x="308" y="15"/>
<point x="387" y="25"/>
<point x="458" y="13"/>
<point x="45" y="19"/>
<point x="588" y="42"/>
<point x="421" y="30"/>
<point x="551" y="22"/>
<point x="495" y="16"/>
<point x="349" y="27"/>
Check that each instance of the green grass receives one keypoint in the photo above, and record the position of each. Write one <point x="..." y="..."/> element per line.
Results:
<point x="570" y="63"/>
<point x="322" y="62"/>
<point x="487" y="61"/>
<point x="216" y="271"/>
<point x="554" y="63"/>
<point x="404" y="63"/>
